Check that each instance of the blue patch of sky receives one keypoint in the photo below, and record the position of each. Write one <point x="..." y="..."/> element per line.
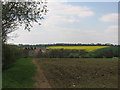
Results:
<point x="93" y="22"/>
<point x="99" y="7"/>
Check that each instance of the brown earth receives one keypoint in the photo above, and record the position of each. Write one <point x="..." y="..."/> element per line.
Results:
<point x="41" y="80"/>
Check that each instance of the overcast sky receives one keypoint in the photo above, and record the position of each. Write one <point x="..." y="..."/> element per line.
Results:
<point x="73" y="22"/>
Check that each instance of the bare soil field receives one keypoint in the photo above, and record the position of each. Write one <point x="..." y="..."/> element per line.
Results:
<point x="78" y="73"/>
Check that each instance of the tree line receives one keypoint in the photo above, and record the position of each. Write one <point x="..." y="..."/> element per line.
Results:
<point x="64" y="44"/>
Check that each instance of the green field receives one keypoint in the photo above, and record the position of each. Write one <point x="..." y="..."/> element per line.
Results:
<point x="81" y="72"/>
<point x="64" y="73"/>
<point x="20" y="75"/>
<point x="114" y="48"/>
<point x="87" y="48"/>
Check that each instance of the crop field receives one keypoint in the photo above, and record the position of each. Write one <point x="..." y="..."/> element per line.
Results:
<point x="81" y="72"/>
<point x="87" y="48"/>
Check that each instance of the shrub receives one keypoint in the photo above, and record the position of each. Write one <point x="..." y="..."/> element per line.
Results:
<point x="9" y="54"/>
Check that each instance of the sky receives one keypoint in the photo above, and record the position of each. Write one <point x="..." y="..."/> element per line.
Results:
<point x="73" y="22"/>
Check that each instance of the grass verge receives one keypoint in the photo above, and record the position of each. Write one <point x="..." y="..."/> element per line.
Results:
<point x="20" y="75"/>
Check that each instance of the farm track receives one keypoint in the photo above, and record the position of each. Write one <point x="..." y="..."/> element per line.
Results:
<point x="41" y="80"/>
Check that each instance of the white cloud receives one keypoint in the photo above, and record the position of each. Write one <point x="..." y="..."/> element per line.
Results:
<point x="66" y="9"/>
<point x="57" y="20"/>
<point x="112" y="29"/>
<point x="71" y="35"/>
<point x="60" y="14"/>
<point x="111" y="33"/>
<point x="113" y="17"/>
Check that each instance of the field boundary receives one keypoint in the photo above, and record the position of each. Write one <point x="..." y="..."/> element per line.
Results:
<point x="41" y="80"/>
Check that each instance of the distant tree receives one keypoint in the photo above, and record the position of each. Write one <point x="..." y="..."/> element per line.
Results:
<point x="18" y="13"/>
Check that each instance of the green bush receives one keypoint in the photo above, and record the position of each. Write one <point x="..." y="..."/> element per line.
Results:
<point x="9" y="54"/>
<point x="62" y="53"/>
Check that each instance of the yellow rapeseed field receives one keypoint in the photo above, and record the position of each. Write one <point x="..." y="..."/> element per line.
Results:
<point x="87" y="48"/>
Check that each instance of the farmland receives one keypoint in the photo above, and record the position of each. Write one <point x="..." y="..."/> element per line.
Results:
<point x="59" y="45"/>
<point x="64" y="68"/>
<point x="87" y="48"/>
<point x="80" y="73"/>
<point x="64" y="73"/>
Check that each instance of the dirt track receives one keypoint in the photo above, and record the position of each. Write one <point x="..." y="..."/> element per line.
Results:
<point x="41" y="81"/>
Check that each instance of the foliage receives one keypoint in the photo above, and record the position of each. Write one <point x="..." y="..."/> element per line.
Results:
<point x="13" y="15"/>
<point x="10" y="53"/>
<point x="18" y="13"/>
<point x="62" y="53"/>
<point x="20" y="76"/>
